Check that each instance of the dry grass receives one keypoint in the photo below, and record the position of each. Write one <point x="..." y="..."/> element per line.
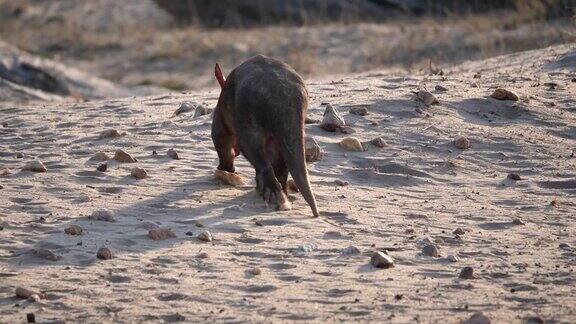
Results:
<point x="184" y="57"/>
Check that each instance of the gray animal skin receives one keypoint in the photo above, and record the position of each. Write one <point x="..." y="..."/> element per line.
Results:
<point x="260" y="113"/>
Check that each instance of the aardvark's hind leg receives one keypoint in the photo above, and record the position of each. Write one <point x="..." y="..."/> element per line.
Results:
<point x="281" y="172"/>
<point x="267" y="184"/>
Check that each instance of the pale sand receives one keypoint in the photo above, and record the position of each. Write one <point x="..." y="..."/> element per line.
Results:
<point x="418" y="183"/>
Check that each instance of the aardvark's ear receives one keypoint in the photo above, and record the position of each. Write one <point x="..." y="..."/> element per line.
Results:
<point x="219" y="76"/>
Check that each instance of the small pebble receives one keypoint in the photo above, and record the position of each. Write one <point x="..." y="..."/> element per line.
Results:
<point x="503" y="94"/>
<point x="453" y="258"/>
<point x="25" y="293"/>
<point x="123" y="157"/>
<point x="551" y="85"/>
<point x="305" y="249"/>
<point x="440" y="88"/>
<point x="427" y="98"/>
<point x="103" y="215"/>
<point x="256" y="271"/>
<point x="139" y="173"/>
<point x="564" y="245"/>
<point x="45" y="254"/>
<point x="110" y="133"/>
<point x="5" y="172"/>
<point x="378" y="142"/>
<point x="203" y="255"/>
<point x="514" y="176"/>
<point x="102" y="167"/>
<point x="185" y="107"/>
<point x="331" y="121"/>
<point x="313" y="151"/>
<point x="554" y="203"/>
<point x="351" y="144"/>
<point x="359" y="111"/>
<point x="381" y="260"/>
<point x="462" y="143"/>
<point x="173" y="154"/>
<point x="73" y="230"/>
<point x="310" y="120"/>
<point x="574" y="79"/>
<point x="35" y="166"/>
<point x="159" y="234"/>
<point x="467" y="273"/>
<point x="30" y="318"/>
<point x="518" y="221"/>
<point x="202" y="111"/>
<point x="534" y="320"/>
<point x="104" y="253"/>
<point x="477" y="318"/>
<point x="459" y="231"/>
<point x="19" y="155"/>
<point x="431" y="250"/>
<point x="205" y="236"/>
<point x="351" y="250"/>
<point x="341" y="183"/>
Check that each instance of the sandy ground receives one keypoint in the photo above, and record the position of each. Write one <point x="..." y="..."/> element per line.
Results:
<point x="519" y="235"/>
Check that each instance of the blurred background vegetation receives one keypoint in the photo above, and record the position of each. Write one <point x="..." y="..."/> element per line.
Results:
<point x="174" y="43"/>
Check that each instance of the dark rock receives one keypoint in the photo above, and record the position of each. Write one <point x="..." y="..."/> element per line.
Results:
<point x="459" y="231"/>
<point x="102" y="167"/>
<point x="503" y="94"/>
<point x="378" y="142"/>
<point x="124" y="157"/>
<point x="359" y="111"/>
<point x="104" y="253"/>
<point x="45" y="254"/>
<point x="440" y="88"/>
<point x="205" y="236"/>
<point x="514" y="176"/>
<point x="159" y="234"/>
<point x="518" y="221"/>
<point x="477" y="318"/>
<point x="431" y="250"/>
<point x="467" y="273"/>
<point x="173" y="154"/>
<point x="73" y="230"/>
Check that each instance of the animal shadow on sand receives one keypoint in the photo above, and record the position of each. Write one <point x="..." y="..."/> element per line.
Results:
<point x="128" y="234"/>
